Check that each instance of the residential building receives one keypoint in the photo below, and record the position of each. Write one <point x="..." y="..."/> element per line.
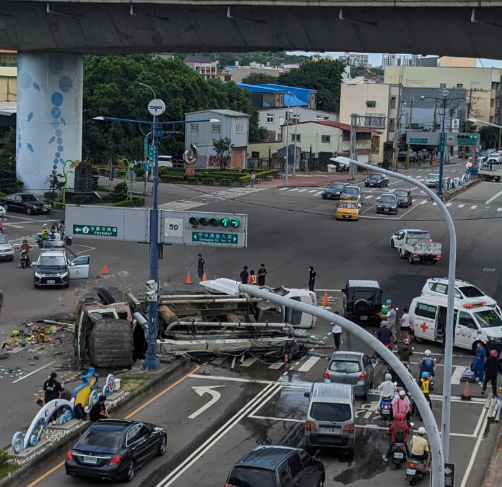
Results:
<point x="8" y="84"/>
<point x="482" y="86"/>
<point x="327" y="137"/>
<point x="231" y="124"/>
<point x="241" y="72"/>
<point x="457" y="62"/>
<point x="204" y="65"/>
<point x="355" y="59"/>
<point x="8" y="58"/>
<point x="408" y="60"/>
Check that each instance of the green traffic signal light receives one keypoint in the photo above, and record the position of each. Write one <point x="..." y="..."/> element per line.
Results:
<point x="235" y="223"/>
<point x="225" y="222"/>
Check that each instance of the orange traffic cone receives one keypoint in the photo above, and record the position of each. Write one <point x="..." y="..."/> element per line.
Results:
<point x="189" y="278"/>
<point x="204" y="277"/>
<point x="325" y="301"/>
<point x="466" y="395"/>
<point x="104" y="270"/>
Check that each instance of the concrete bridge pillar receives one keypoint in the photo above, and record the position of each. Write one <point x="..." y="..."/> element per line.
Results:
<point x="49" y="116"/>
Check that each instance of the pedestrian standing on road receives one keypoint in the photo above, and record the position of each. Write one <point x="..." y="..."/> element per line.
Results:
<point x="391" y="322"/>
<point x="1" y="302"/>
<point x="312" y="276"/>
<point x="201" y="267"/>
<point x="405" y="325"/>
<point x="244" y="275"/>
<point x="405" y="351"/>
<point x="253" y="179"/>
<point x="99" y="411"/>
<point x="337" y="334"/>
<point x="384" y="336"/>
<point x="252" y="279"/>
<point x="262" y="274"/>
<point x="52" y="388"/>
<point x="491" y="372"/>
<point x="478" y="367"/>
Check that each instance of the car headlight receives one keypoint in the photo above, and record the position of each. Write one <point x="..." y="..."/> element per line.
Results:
<point x="495" y="339"/>
<point x="37" y="274"/>
<point x="64" y="274"/>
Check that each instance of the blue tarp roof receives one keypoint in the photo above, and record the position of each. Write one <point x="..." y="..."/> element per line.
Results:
<point x="301" y="93"/>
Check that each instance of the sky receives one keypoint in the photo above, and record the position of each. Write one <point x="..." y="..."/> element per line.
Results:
<point x="376" y="59"/>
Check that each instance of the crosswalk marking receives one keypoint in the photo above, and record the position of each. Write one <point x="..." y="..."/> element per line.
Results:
<point x="434" y="204"/>
<point x="277" y="365"/>
<point x="473" y="207"/>
<point x="294" y="189"/>
<point x="457" y="375"/>
<point x="283" y="189"/>
<point x="308" y="364"/>
<point x="423" y="202"/>
<point x="313" y="191"/>
<point x="318" y="193"/>
<point x="248" y="362"/>
<point x="449" y="204"/>
<point x="461" y="206"/>
<point x="302" y="190"/>
<point x="499" y="209"/>
<point x="369" y="196"/>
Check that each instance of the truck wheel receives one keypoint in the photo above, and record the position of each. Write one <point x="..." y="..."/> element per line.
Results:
<point x="105" y="296"/>
<point x="111" y="344"/>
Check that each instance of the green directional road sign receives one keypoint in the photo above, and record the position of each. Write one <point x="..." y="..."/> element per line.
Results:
<point x="442" y="141"/>
<point x="467" y="140"/>
<point x="95" y="231"/>
<point x="215" y="238"/>
<point x="415" y="140"/>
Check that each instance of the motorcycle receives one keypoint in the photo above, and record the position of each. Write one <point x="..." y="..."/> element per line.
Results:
<point x="398" y="455"/>
<point x="385" y="407"/>
<point x="415" y="470"/>
<point x="23" y="258"/>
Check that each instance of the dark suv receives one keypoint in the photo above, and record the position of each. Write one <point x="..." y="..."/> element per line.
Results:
<point x="362" y="300"/>
<point x="276" y="466"/>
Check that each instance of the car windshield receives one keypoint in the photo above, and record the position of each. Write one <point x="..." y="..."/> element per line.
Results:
<point x="346" y="204"/>
<point x="52" y="260"/>
<point x="488" y="319"/>
<point x="345" y="366"/>
<point x="374" y="176"/>
<point x="471" y="292"/>
<point x="336" y="186"/>
<point x="352" y="190"/>
<point x="387" y="198"/>
<point x="29" y="197"/>
<point x="53" y="243"/>
<point x="328" y="411"/>
<point x="401" y="192"/>
<point x="104" y="437"/>
<point x="3" y="239"/>
<point x="433" y="176"/>
<point x="252" y="477"/>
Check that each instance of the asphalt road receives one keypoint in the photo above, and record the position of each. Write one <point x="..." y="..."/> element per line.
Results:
<point x="289" y="229"/>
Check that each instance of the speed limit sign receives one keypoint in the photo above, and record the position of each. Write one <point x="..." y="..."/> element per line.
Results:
<point x="173" y="227"/>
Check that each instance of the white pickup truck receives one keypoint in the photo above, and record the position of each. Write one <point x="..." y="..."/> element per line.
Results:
<point x="416" y="246"/>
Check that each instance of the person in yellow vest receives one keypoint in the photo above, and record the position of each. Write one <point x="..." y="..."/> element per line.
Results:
<point x="253" y="279"/>
<point x="45" y="232"/>
<point x="425" y="386"/>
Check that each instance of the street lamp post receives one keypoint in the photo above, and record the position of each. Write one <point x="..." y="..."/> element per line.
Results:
<point x="448" y="351"/>
<point x="156" y="108"/>
<point x="286" y="176"/>
<point x="442" y="144"/>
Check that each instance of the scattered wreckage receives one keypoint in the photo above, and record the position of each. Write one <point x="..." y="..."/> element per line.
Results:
<point x="111" y="330"/>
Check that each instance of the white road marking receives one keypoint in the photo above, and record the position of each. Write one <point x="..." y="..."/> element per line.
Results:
<point x="302" y="190"/>
<point x="457" y="374"/>
<point x="313" y="190"/>
<point x="318" y="193"/>
<point x="199" y="452"/>
<point x="422" y="191"/>
<point x="369" y="196"/>
<point x="215" y="397"/>
<point x="294" y="189"/>
<point x="487" y="202"/>
<point x="460" y="206"/>
<point x="308" y="364"/>
<point x="434" y="204"/>
<point x="423" y="202"/>
<point x="499" y="209"/>
<point x="473" y="207"/>
<point x="283" y="189"/>
<point x="277" y="365"/>
<point x="248" y="362"/>
<point x="449" y="204"/>
<point x="34" y="372"/>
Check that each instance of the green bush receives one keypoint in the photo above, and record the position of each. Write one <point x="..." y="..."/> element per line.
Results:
<point x="208" y="181"/>
<point x="136" y="201"/>
<point x="2" y="194"/>
<point x="168" y="178"/>
<point x="225" y="182"/>
<point x="386" y="164"/>
<point x="245" y="179"/>
<point x="120" y="192"/>
<point x="193" y="180"/>
<point x="140" y="172"/>
<point x="4" y="458"/>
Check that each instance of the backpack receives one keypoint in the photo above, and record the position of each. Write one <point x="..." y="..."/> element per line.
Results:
<point x="400" y="435"/>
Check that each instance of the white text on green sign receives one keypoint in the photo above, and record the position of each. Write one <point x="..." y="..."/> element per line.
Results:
<point x="215" y="237"/>
<point x="95" y="231"/>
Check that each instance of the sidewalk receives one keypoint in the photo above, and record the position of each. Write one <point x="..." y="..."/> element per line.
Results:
<point x="312" y="180"/>
<point x="494" y="475"/>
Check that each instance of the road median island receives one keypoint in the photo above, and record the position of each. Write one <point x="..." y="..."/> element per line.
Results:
<point x="461" y="189"/>
<point x="58" y="442"/>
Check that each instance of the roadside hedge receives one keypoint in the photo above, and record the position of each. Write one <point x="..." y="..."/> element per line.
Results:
<point x="137" y="201"/>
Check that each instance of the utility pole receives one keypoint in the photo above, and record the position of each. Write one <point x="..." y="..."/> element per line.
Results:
<point x="397" y="133"/>
<point x="352" y="150"/>
<point x="442" y="143"/>
<point x="434" y="123"/>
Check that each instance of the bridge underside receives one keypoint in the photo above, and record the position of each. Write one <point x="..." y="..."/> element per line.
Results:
<point x="89" y="27"/>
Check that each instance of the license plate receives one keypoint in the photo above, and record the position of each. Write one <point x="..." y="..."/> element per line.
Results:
<point x="330" y="430"/>
<point x="51" y="281"/>
<point x="385" y="411"/>
<point x="411" y="471"/>
<point x="346" y="216"/>
<point x="91" y="460"/>
<point x="363" y="318"/>
<point x="386" y="209"/>
<point x="398" y="455"/>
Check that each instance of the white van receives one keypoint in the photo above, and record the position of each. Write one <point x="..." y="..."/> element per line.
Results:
<point x="165" y="161"/>
<point x="474" y="322"/>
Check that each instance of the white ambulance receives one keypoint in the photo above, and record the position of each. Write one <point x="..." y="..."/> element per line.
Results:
<point x="474" y="322"/>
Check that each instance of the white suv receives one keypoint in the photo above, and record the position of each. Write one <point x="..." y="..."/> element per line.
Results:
<point x="464" y="291"/>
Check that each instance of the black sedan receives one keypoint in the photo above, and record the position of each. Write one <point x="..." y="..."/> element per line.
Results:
<point x="25" y="202"/>
<point x="387" y="203"/>
<point x="376" y="180"/>
<point x="113" y="449"/>
<point x="333" y="191"/>
<point x="404" y="197"/>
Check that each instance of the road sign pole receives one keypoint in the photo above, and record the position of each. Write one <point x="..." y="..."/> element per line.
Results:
<point x="442" y="145"/>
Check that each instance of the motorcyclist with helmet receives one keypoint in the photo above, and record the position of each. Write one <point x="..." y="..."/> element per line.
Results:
<point x="388" y="389"/>
<point x="427" y="364"/>
<point x="399" y="431"/>
<point x="405" y="351"/>
<point x="425" y="386"/>
<point x="401" y="404"/>
<point x="420" y="448"/>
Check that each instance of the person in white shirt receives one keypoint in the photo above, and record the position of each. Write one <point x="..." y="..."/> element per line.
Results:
<point x="388" y="388"/>
<point x="405" y="325"/>
<point x="337" y="333"/>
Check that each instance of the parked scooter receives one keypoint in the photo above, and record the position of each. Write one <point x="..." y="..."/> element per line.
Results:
<point x="415" y="470"/>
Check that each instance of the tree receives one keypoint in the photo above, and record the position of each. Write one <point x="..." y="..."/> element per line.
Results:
<point x="222" y="147"/>
<point x="8" y="179"/>
<point x="259" y="78"/>
<point x="325" y="76"/>
<point x="489" y="136"/>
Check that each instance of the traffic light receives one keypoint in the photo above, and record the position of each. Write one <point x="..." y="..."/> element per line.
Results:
<point x="215" y="221"/>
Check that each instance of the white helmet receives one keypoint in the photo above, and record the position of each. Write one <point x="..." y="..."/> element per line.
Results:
<point x="388" y="377"/>
<point x="402" y="393"/>
<point x="427" y="353"/>
<point x="421" y="431"/>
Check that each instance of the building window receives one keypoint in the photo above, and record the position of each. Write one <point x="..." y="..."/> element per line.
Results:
<point x="370" y="103"/>
<point x="296" y="118"/>
<point x="392" y="124"/>
<point x="215" y="128"/>
<point x="270" y="118"/>
<point x="442" y="85"/>
<point x="298" y="137"/>
<point x="326" y="139"/>
<point x="239" y="129"/>
<point x="194" y="127"/>
<point x="460" y="85"/>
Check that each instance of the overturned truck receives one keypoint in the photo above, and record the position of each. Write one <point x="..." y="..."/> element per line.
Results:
<point x="218" y="319"/>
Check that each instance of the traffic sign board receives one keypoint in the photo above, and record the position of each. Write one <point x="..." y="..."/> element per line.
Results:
<point x="467" y="140"/>
<point x="156" y="107"/>
<point x="449" y="475"/>
<point x="442" y="141"/>
<point x="414" y="140"/>
<point x="215" y="238"/>
<point x="95" y="231"/>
